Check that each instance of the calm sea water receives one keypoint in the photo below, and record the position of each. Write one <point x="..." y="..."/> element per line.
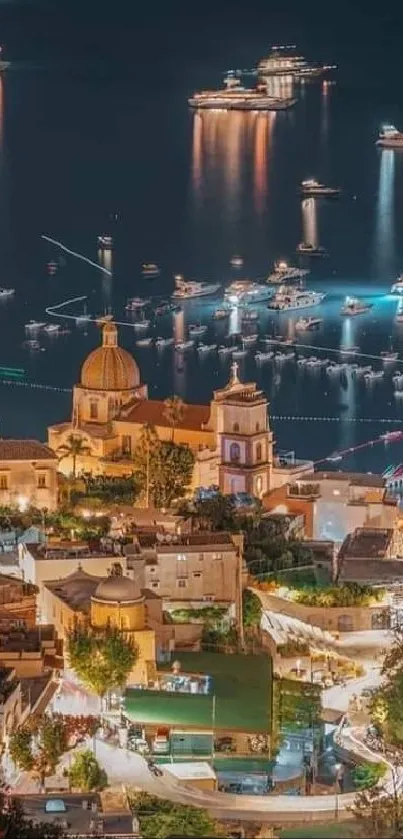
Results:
<point x="81" y="143"/>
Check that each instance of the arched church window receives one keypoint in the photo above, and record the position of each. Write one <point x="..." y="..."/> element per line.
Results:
<point x="94" y="410"/>
<point x="235" y="426"/>
<point x="235" y="452"/>
<point x="259" y="451"/>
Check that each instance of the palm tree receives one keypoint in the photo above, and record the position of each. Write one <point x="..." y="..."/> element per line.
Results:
<point x="74" y="448"/>
<point x="174" y="410"/>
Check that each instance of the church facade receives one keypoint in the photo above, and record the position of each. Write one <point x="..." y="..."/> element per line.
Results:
<point x="230" y="437"/>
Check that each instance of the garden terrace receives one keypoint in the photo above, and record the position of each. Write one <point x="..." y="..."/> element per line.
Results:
<point x="238" y="698"/>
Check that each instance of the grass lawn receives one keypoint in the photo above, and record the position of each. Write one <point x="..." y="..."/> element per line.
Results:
<point x="336" y="830"/>
<point x="241" y="685"/>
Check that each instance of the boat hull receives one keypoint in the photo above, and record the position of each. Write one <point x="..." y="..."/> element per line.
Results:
<point x="263" y="105"/>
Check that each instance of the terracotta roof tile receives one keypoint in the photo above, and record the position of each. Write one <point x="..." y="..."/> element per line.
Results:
<point x="195" y="417"/>
<point x="25" y="450"/>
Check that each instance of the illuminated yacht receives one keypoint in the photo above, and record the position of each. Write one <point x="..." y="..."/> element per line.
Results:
<point x="353" y="306"/>
<point x="307" y="249"/>
<point x="235" y="97"/>
<point x="105" y="242"/>
<point x="283" y="271"/>
<point x="288" y="298"/>
<point x="150" y="269"/>
<point x="7" y="292"/>
<point x="284" y="61"/>
<point x="246" y="291"/>
<point x="313" y="188"/>
<point x="397" y="287"/>
<point x="186" y="289"/>
<point x="390" y="138"/>
<point x="236" y="261"/>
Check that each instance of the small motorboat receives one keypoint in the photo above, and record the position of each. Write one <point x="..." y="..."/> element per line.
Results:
<point x="311" y="250"/>
<point x="141" y="324"/>
<point x="389" y="355"/>
<point x="223" y="350"/>
<point x="137" y="303"/>
<point x="303" y="324"/>
<point x="144" y="342"/>
<point x="239" y="353"/>
<point x="196" y="329"/>
<point x="105" y="242"/>
<point x="150" y="269"/>
<point x="334" y="458"/>
<point x="374" y="375"/>
<point x="182" y="346"/>
<point x="163" y="342"/>
<point x="236" y="261"/>
<point x="51" y="328"/>
<point x="263" y="356"/>
<point x="391" y="435"/>
<point x="52" y="267"/>
<point x="31" y="344"/>
<point x="7" y="292"/>
<point x="33" y="325"/>
<point x="206" y="348"/>
<point x="248" y="340"/>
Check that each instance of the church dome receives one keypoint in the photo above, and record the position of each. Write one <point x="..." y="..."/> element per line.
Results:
<point x="110" y="367"/>
<point x="117" y="589"/>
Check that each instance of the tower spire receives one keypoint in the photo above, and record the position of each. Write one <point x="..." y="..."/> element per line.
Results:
<point x="234" y="380"/>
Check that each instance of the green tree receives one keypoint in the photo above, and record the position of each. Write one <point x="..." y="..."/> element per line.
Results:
<point x="144" y="460"/>
<point x="366" y="774"/>
<point x="161" y="819"/>
<point x="378" y="813"/>
<point x="174" y="411"/>
<point x="251" y="609"/>
<point x="386" y="701"/>
<point x="86" y="773"/>
<point x="173" y="473"/>
<point x="21" y="748"/>
<point x="102" y="659"/>
<point x="52" y="735"/>
<point x="75" y="447"/>
<point x="216" y="513"/>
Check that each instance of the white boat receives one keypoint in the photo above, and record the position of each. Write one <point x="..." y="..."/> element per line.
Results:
<point x="137" y="303"/>
<point x="283" y="271"/>
<point x="238" y="353"/>
<point x="221" y="314"/>
<point x="144" y="342"/>
<point x="223" y="350"/>
<point x="206" y="348"/>
<point x="7" y="292"/>
<point x="336" y="368"/>
<point x="186" y="289"/>
<point x="51" y="328"/>
<point x="362" y="371"/>
<point x="150" y="269"/>
<point x="263" y="356"/>
<point x="389" y="355"/>
<point x="236" y="261"/>
<point x="196" y="329"/>
<point x="315" y="362"/>
<point x="248" y="340"/>
<point x="163" y="342"/>
<point x="182" y="346"/>
<point x="235" y="97"/>
<point x="34" y="324"/>
<point x="398" y="394"/>
<point x="334" y="458"/>
<point x="105" y="242"/>
<point x="302" y="361"/>
<point x="142" y="324"/>
<point x="246" y="291"/>
<point x="372" y="375"/>
<point x="311" y="250"/>
<point x="353" y="306"/>
<point x="283" y="60"/>
<point x="288" y="298"/>
<point x="390" y="138"/>
<point x="307" y="323"/>
<point x="313" y="188"/>
<point x="397" y="287"/>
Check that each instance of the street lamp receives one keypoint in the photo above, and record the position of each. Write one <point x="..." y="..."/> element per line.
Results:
<point x="338" y="774"/>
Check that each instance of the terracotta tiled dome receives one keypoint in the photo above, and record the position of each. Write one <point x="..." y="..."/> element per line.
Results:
<point x="110" y="367"/>
<point x="117" y="589"/>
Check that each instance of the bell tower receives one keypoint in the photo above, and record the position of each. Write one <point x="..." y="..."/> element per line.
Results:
<point x="244" y="438"/>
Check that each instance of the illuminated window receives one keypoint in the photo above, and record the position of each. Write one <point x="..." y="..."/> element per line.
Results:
<point x="235" y="426"/>
<point x="3" y="482"/>
<point x="217" y="556"/>
<point x="259" y="451"/>
<point x="181" y="557"/>
<point x="235" y="452"/>
<point x="94" y="410"/>
<point x="41" y="481"/>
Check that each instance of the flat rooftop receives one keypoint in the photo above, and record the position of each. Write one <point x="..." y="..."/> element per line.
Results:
<point x="371" y="571"/>
<point x="239" y="699"/>
<point x="366" y="542"/>
<point x="78" y="819"/>
<point x="364" y="479"/>
<point x="68" y="550"/>
<point x="170" y="542"/>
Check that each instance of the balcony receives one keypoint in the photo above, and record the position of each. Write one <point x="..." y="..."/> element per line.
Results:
<point x="306" y="491"/>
